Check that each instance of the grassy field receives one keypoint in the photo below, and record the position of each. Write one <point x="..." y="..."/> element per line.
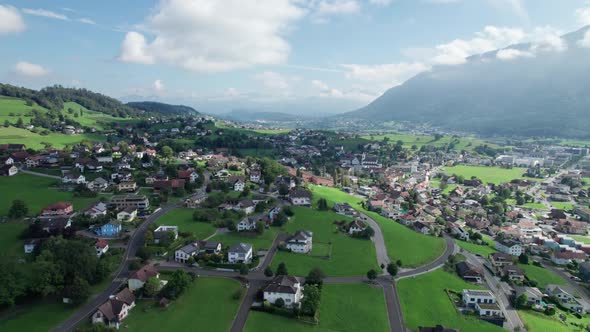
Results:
<point x="183" y="218"/>
<point x="263" y="241"/>
<point x="538" y="322"/>
<point x="435" y="183"/>
<point x="345" y="307"/>
<point x="462" y="143"/>
<point x="18" y="108"/>
<point x="89" y="118"/>
<point x="12" y="135"/>
<point x="34" y="191"/>
<point x="10" y="244"/>
<point x="207" y="306"/>
<point x="350" y="256"/>
<point x="39" y="317"/>
<point x="424" y="302"/>
<point x="543" y="276"/>
<point x="412" y="248"/>
<point x="494" y="175"/>
<point x="583" y="239"/>
<point x="537" y="206"/>
<point x="562" y="205"/>
<point x="479" y="249"/>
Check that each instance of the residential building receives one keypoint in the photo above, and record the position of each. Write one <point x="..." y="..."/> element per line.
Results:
<point x="469" y="272"/>
<point x="510" y="247"/>
<point x="246" y="224"/>
<point x="115" y="309"/>
<point x="140" y="202"/>
<point x="513" y="273"/>
<point x="98" y="184"/>
<point x="300" y="197"/>
<point x="483" y="301"/>
<point x="30" y="246"/>
<point x="96" y="210"/>
<point x="58" y="209"/>
<point x="344" y="209"/>
<point x="163" y="231"/>
<point x="287" y="288"/>
<point x="183" y="254"/>
<point x="356" y="226"/>
<point x="583" y="212"/>
<point x="73" y="179"/>
<point x="210" y="247"/>
<point x="566" y="257"/>
<point x="585" y="271"/>
<point x="110" y="229"/>
<point x="127" y="214"/>
<point x="300" y="242"/>
<point x="141" y="276"/>
<point x="534" y="295"/>
<point x="127" y="186"/>
<point x="8" y="170"/>
<point x="564" y="296"/>
<point x="240" y="253"/>
<point x="55" y="224"/>
<point x="102" y="246"/>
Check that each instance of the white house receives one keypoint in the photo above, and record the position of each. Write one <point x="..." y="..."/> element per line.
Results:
<point x="162" y="231"/>
<point x="509" y="247"/>
<point x="483" y="301"/>
<point x="300" y="242"/>
<point x="73" y="179"/>
<point x="183" y="254"/>
<point x="127" y="214"/>
<point x="246" y="224"/>
<point x="96" y="210"/>
<point x="98" y="184"/>
<point x="565" y="298"/>
<point x="138" y="278"/>
<point x="30" y="246"/>
<point x="300" y="197"/>
<point x="240" y="253"/>
<point x="115" y="309"/>
<point x="356" y="226"/>
<point x="287" y="288"/>
<point x="102" y="246"/>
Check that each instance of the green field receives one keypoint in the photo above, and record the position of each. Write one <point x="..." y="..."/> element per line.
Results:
<point x="17" y="107"/>
<point x="350" y="256"/>
<point x="183" y="218"/>
<point x="38" y="317"/>
<point x="462" y="143"/>
<point x="538" y="322"/>
<point x="344" y="307"/>
<point x="494" y="175"/>
<point x="563" y="205"/>
<point x="34" y="191"/>
<point x="207" y="306"/>
<point x="89" y="118"/>
<point x="263" y="241"/>
<point x="424" y="302"/>
<point x="537" y="206"/>
<point x="435" y="183"/>
<point x="479" y="249"/>
<point x="12" y="135"/>
<point x="10" y="244"/>
<point x="542" y="275"/>
<point x="583" y="239"/>
<point x="412" y="248"/>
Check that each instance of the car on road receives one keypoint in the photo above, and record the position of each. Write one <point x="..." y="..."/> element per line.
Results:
<point x="574" y="278"/>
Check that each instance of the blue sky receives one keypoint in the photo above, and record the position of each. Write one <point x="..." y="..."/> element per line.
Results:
<point x="223" y="54"/>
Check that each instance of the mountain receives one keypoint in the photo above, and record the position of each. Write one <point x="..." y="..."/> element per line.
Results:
<point x="251" y="116"/>
<point x="542" y="93"/>
<point x="166" y="109"/>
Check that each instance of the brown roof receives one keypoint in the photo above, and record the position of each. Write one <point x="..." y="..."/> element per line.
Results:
<point x="144" y="273"/>
<point x="125" y="296"/>
<point x="101" y="243"/>
<point x="282" y="284"/>
<point x="57" y="206"/>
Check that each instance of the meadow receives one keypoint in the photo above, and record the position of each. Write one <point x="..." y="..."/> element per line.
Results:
<point x="461" y="143"/>
<point x="495" y="175"/>
<point x="541" y="275"/>
<point x="343" y="307"/>
<point x="12" y="135"/>
<point x="183" y="218"/>
<point x="539" y="322"/>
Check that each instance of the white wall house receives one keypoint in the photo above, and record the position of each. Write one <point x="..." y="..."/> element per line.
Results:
<point x="183" y="254"/>
<point x="300" y="242"/>
<point x="246" y="224"/>
<point x="509" y="247"/>
<point x="287" y="288"/>
<point x="240" y="253"/>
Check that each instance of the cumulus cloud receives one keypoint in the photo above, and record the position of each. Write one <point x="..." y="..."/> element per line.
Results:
<point x="158" y="86"/>
<point x="28" y="69"/>
<point x="511" y="54"/>
<point x="11" y="20"/>
<point x="389" y="74"/>
<point x="45" y="13"/>
<point x="274" y="81"/>
<point x="585" y="42"/>
<point x="583" y="15"/>
<point x="547" y="39"/>
<point x="214" y="35"/>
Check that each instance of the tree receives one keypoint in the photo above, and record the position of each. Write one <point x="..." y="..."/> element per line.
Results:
<point x="6" y="123"/>
<point x="323" y="204"/>
<point x="523" y="258"/>
<point x="268" y="272"/>
<point x="151" y="287"/>
<point x="18" y="209"/>
<point x="392" y="269"/>
<point x="372" y="274"/>
<point x="78" y="291"/>
<point x="283" y="189"/>
<point x="179" y="282"/>
<point x="244" y="269"/>
<point x="311" y="300"/>
<point x="398" y="263"/>
<point x="521" y="301"/>
<point x="167" y="152"/>
<point x="13" y="281"/>
<point x="260" y="227"/>
<point x="282" y="269"/>
<point x="46" y="278"/>
<point x="315" y="277"/>
<point x="19" y="123"/>
<point x="279" y="303"/>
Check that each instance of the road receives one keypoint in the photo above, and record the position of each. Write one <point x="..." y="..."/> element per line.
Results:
<point x="440" y="261"/>
<point x="39" y="174"/>
<point x="379" y="241"/>
<point x="120" y="275"/>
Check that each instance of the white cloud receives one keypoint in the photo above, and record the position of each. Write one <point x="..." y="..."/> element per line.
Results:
<point x="10" y="20"/>
<point x="214" y="35"/>
<point x="28" y="69"/>
<point x="388" y="74"/>
<point x="158" y="86"/>
<point x="585" y="42"/>
<point x="322" y="89"/>
<point x="583" y="15"/>
<point x="86" y="21"/>
<point x="45" y="13"/>
<point x="511" y="54"/>
<point x="547" y="39"/>
<point x="333" y="7"/>
<point x="380" y="2"/>
<point x="274" y="81"/>
<point x="517" y="7"/>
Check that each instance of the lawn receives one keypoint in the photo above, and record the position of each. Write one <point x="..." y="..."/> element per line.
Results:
<point x="494" y="175"/>
<point x="263" y="241"/>
<point x="89" y="118"/>
<point x="10" y="244"/>
<point x="435" y="183"/>
<point x="583" y="239"/>
<point x="461" y="143"/>
<point x="183" y="218"/>
<point x="344" y="307"/>
<point x="350" y="256"/>
<point x="12" y="135"/>
<point x="424" y="302"/>
<point x="538" y="322"/>
<point x="35" y="192"/>
<point x="18" y="108"/>
<point x="41" y="317"/>
<point x="479" y="249"/>
<point x="207" y="306"/>
<point x="543" y="276"/>
<point x="536" y="206"/>
<point x="412" y="248"/>
<point x="563" y="205"/>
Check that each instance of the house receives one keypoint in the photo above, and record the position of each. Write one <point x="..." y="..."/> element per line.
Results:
<point x="162" y="231"/>
<point x="115" y="309"/>
<point x="356" y="226"/>
<point x="246" y="224"/>
<point x="246" y="206"/>
<point x="572" y="226"/>
<point x="102" y="246"/>
<point x="512" y="273"/>
<point x="54" y="224"/>
<point x="469" y="272"/>
<point x="96" y="210"/>
<point x="127" y="214"/>
<point x="110" y="229"/>
<point x="58" y="209"/>
<point x="458" y="232"/>
<point x="140" y="202"/>
<point x="582" y="212"/>
<point x="8" y="170"/>
<point x="240" y="253"/>
<point x="287" y="288"/>
<point x="300" y="242"/>
<point x="421" y="227"/>
<point x="483" y="301"/>
<point x="237" y="182"/>
<point x="566" y="257"/>
<point x="168" y="184"/>
<point x="510" y="247"/>
<point x="141" y="276"/>
<point x="344" y="209"/>
<point x="194" y="201"/>
<point x="210" y="247"/>
<point x="183" y="254"/>
<point x="127" y="186"/>
<point x="30" y="246"/>
<point x="189" y="175"/>
<point x="499" y="260"/>
<point x="534" y="295"/>
<point x="255" y="176"/>
<point x="300" y="197"/>
<point x="564" y="296"/>
<point x="98" y="184"/>
<point x="73" y="179"/>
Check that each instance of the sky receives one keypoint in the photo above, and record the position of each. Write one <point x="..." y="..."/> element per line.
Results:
<point x="307" y="56"/>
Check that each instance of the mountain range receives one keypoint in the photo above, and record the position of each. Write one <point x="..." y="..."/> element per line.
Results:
<point x="522" y="90"/>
